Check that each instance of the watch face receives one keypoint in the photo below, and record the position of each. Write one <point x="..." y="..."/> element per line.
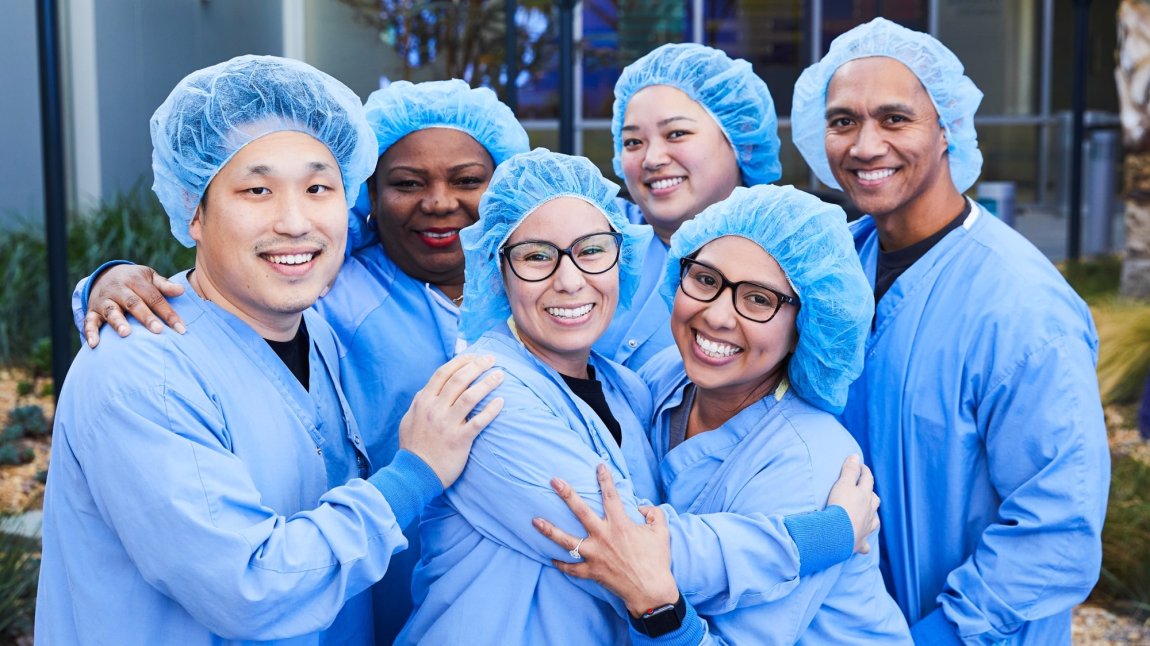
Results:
<point x="662" y="620"/>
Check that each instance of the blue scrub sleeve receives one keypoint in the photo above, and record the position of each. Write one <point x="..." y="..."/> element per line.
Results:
<point x="1049" y="462"/>
<point x="692" y="632"/>
<point x="824" y="538"/>
<point x="935" y="630"/>
<point x="507" y="483"/>
<point x="408" y="484"/>
<point x="193" y="522"/>
<point x="82" y="291"/>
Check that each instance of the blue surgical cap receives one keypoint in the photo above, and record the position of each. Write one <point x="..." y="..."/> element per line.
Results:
<point x="518" y="187"/>
<point x="404" y="107"/>
<point x="216" y="111"/>
<point x="728" y="90"/>
<point x="811" y="242"/>
<point x="954" y="95"/>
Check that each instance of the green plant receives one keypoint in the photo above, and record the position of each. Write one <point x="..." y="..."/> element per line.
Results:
<point x="12" y="455"/>
<point x="28" y="420"/>
<point x="131" y="226"/>
<point x="1125" y="577"/>
<point x="1095" y="279"/>
<point x="19" y="571"/>
<point x="1124" y="349"/>
<point x="24" y="388"/>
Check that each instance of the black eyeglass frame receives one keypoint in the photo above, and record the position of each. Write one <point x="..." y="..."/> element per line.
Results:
<point x="505" y="253"/>
<point x="685" y="265"/>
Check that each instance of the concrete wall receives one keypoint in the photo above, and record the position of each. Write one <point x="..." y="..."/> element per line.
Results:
<point x="143" y="48"/>
<point x="21" y="183"/>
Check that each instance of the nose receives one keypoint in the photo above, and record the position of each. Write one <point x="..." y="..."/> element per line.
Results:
<point x="438" y="200"/>
<point x="720" y="313"/>
<point x="567" y="277"/>
<point x="869" y="143"/>
<point x="655" y="155"/>
<point x="294" y="220"/>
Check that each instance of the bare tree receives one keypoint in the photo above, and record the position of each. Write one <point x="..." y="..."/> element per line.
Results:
<point x="1133" y="76"/>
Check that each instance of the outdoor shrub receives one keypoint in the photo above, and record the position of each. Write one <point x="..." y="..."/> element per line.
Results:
<point x="1124" y="350"/>
<point x="29" y="421"/>
<point x="19" y="570"/>
<point x="12" y="455"/>
<point x="23" y="388"/>
<point x="1125" y="575"/>
<point x="130" y="226"/>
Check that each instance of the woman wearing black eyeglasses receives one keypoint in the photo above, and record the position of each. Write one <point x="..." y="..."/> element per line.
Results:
<point x="769" y="312"/>
<point x="548" y="263"/>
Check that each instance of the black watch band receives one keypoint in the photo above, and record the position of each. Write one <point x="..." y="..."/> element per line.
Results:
<point x="662" y="620"/>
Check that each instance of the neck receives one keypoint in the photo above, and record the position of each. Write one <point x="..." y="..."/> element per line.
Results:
<point x="453" y="291"/>
<point x="920" y="220"/>
<point x="278" y="328"/>
<point x="714" y="407"/>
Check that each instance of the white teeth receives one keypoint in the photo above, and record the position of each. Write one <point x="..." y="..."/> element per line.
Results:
<point x="431" y="234"/>
<point x="660" y="184"/>
<point x="565" y="313"/>
<point x="871" y="175"/>
<point x="292" y="258"/>
<point x="715" y="348"/>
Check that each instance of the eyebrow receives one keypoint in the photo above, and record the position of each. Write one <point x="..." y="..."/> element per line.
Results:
<point x="886" y="108"/>
<point x="662" y="122"/>
<point x="423" y="171"/>
<point x="264" y="170"/>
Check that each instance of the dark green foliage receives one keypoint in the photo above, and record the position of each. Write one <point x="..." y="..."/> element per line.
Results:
<point x="130" y="226"/>
<point x="24" y="387"/>
<point x="1094" y="279"/>
<point x="29" y="420"/>
<point x="1126" y="537"/>
<point x="19" y="570"/>
<point x="12" y="454"/>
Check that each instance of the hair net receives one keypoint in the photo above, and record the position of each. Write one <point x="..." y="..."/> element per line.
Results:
<point x="214" y="112"/>
<point x="811" y="242"/>
<point x="728" y="90"/>
<point x="518" y="187"/>
<point x="404" y="107"/>
<point x="954" y="95"/>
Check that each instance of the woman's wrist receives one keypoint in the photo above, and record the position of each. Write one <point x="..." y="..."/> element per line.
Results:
<point x="654" y="594"/>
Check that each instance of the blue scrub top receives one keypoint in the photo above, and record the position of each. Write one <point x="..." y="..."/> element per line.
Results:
<point x="199" y="474"/>
<point x="395" y="331"/>
<point x="779" y="455"/>
<point x="979" y="409"/>
<point x="641" y="331"/>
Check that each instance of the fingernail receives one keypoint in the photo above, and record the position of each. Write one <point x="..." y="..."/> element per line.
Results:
<point x="155" y="327"/>
<point x="91" y="341"/>
<point x="854" y="457"/>
<point x="601" y="469"/>
<point x="123" y="329"/>
<point x="179" y="328"/>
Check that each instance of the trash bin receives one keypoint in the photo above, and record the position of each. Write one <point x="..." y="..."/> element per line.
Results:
<point x="1100" y="190"/>
<point x="998" y="198"/>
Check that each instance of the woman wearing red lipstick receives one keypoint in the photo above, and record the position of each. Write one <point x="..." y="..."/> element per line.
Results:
<point x="395" y="303"/>
<point x="690" y="124"/>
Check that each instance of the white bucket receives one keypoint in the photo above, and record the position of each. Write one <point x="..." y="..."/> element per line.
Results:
<point x="998" y="198"/>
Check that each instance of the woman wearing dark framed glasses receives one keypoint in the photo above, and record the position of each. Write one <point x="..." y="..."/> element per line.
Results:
<point x="549" y="262"/>
<point x="769" y="312"/>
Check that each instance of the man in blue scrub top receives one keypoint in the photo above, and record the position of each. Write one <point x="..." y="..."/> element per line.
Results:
<point x="978" y="406"/>
<point x="213" y="487"/>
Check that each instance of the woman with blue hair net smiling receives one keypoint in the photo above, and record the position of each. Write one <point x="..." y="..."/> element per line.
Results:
<point x="770" y="311"/>
<point x="548" y="263"/>
<point x="689" y="125"/>
<point x="395" y="303"/>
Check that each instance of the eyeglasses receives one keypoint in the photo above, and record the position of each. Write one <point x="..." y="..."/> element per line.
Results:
<point x="536" y="260"/>
<point x="752" y="301"/>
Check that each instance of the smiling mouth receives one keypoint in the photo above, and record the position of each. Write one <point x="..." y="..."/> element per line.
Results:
<point x="438" y="237"/>
<point x="291" y="259"/>
<point x="570" y="313"/>
<point x="716" y="349"/>
<point x="874" y="175"/>
<point x="662" y="184"/>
